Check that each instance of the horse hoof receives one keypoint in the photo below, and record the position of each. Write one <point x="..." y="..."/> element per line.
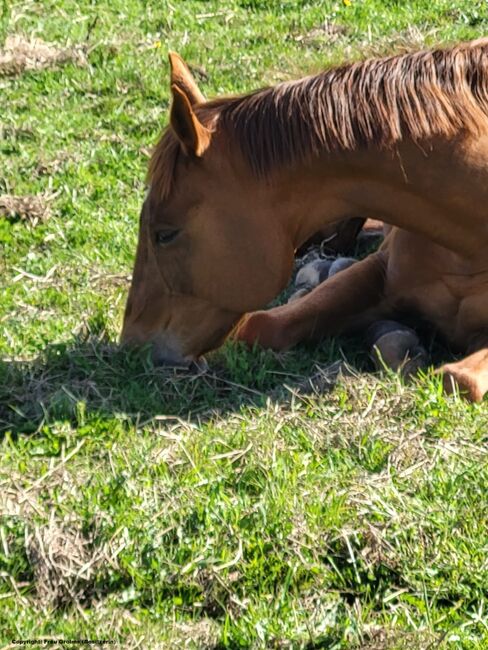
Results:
<point x="397" y="347"/>
<point x="340" y="264"/>
<point x="418" y="359"/>
<point x="312" y="274"/>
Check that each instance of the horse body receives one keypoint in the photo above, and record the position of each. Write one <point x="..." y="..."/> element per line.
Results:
<point x="437" y="270"/>
<point x="446" y="289"/>
<point x="238" y="184"/>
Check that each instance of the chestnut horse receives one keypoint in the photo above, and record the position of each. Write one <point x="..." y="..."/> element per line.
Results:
<point x="237" y="184"/>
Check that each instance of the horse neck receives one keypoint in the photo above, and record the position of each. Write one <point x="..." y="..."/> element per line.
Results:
<point x="407" y="188"/>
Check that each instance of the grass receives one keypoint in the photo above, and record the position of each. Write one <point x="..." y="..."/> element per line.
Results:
<point x="252" y="507"/>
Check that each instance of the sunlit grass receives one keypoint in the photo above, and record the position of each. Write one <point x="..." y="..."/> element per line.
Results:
<point x="280" y="501"/>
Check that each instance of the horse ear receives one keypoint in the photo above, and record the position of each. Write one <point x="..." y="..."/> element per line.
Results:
<point x="182" y="77"/>
<point x="193" y="136"/>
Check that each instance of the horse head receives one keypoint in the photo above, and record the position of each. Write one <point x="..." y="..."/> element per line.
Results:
<point x="209" y="249"/>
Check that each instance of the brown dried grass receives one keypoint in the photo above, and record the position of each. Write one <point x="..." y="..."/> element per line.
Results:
<point x="33" y="209"/>
<point x="64" y="563"/>
<point x="20" y="54"/>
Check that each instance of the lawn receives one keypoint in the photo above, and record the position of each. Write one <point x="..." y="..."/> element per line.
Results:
<point x="297" y="500"/>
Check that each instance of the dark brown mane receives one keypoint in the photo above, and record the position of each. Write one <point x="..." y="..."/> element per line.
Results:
<point x="375" y="102"/>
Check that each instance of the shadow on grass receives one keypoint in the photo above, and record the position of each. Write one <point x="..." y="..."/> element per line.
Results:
<point x="93" y="378"/>
<point x="85" y="378"/>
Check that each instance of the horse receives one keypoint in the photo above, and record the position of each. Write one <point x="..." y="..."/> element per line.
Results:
<point x="237" y="184"/>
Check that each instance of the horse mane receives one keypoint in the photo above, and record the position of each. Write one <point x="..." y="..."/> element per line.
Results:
<point x="376" y="102"/>
<point x="162" y="165"/>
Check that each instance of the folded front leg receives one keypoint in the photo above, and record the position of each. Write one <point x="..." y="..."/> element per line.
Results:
<point x="346" y="302"/>
<point x="469" y="375"/>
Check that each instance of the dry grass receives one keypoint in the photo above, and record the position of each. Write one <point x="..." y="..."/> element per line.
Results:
<point x="277" y="501"/>
<point x="33" y="209"/>
<point x="408" y="40"/>
<point x="63" y="563"/>
<point x="325" y="34"/>
<point x="20" y="54"/>
<point x="384" y="639"/>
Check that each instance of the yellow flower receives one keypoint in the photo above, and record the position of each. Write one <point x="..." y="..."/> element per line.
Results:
<point x="157" y="44"/>
<point x="347" y="2"/>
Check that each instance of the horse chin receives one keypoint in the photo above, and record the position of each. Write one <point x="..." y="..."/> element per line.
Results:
<point x="164" y="356"/>
<point x="196" y="365"/>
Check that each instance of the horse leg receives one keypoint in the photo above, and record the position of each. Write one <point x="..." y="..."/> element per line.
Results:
<point x="347" y="302"/>
<point x="469" y="375"/>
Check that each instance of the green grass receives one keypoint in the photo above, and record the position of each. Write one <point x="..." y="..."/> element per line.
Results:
<point x="244" y="508"/>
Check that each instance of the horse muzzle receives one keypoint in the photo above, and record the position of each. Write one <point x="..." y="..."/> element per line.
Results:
<point x="197" y="365"/>
<point x="165" y="351"/>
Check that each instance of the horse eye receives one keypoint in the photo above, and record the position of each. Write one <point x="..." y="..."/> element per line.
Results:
<point x="164" y="237"/>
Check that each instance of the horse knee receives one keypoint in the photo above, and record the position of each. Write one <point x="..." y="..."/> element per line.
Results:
<point x="263" y="328"/>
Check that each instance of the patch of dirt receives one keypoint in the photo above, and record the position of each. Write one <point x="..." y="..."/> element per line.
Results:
<point x="20" y="54"/>
<point x="34" y="209"/>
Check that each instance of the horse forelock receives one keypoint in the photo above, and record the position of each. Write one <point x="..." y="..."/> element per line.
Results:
<point x="377" y="102"/>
